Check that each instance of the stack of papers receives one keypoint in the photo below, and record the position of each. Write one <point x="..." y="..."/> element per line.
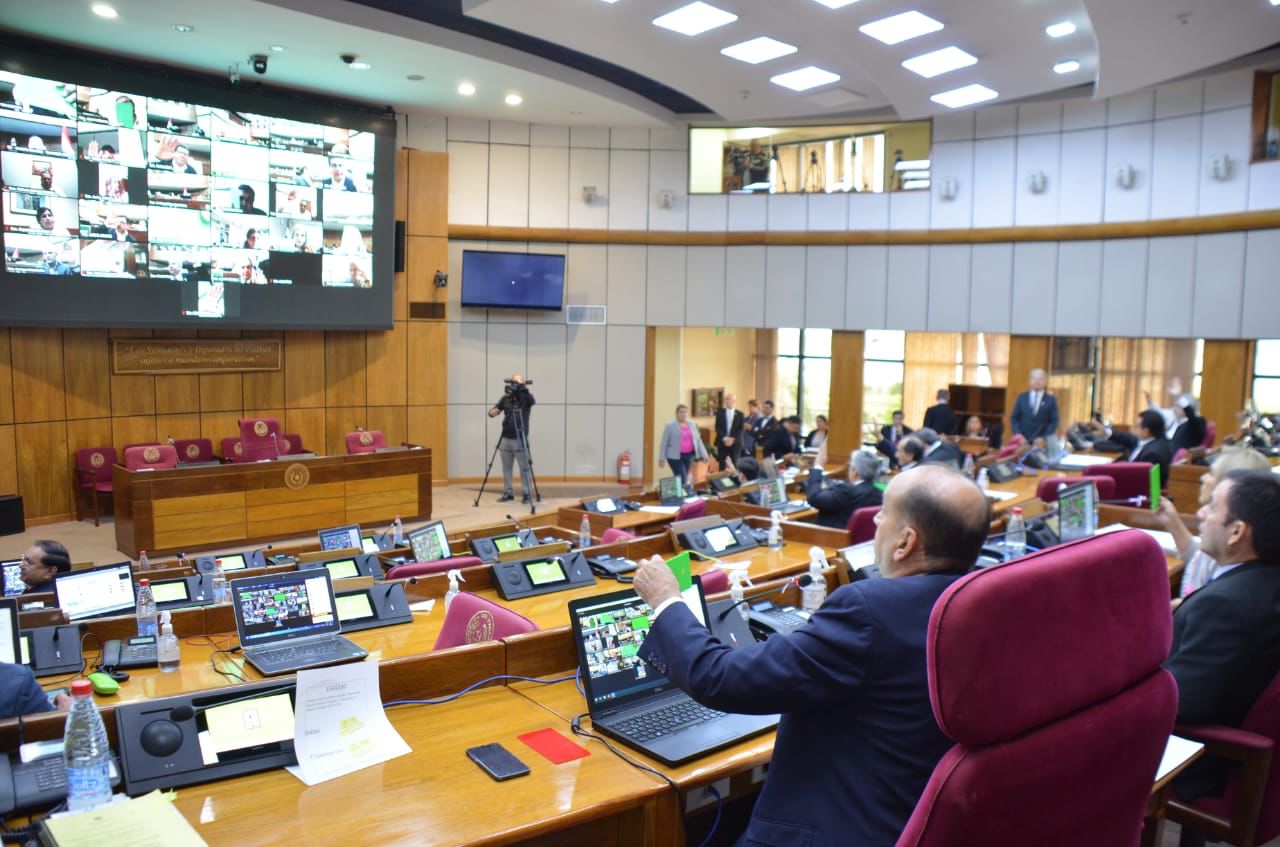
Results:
<point x="148" y="821"/>
<point x="999" y="495"/>
<point x="1082" y="460"/>
<point x="660" y="510"/>
<point x="1164" y="539"/>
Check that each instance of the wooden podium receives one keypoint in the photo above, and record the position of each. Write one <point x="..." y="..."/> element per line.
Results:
<point x="229" y="505"/>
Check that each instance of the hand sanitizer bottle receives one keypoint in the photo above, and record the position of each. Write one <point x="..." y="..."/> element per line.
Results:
<point x="814" y="594"/>
<point x="738" y="579"/>
<point x="455" y="576"/>
<point x="775" y="531"/>
<point x="168" y="653"/>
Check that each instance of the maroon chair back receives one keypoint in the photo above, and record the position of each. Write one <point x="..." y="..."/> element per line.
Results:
<point x="1210" y="434"/>
<point x="471" y="619"/>
<point x="93" y="467"/>
<point x="1180" y="456"/>
<point x="1047" y="490"/>
<point x="139" y="444"/>
<point x="715" y="581"/>
<point x="428" y="568"/>
<point x="1011" y="449"/>
<point x="1133" y="479"/>
<point x="365" y="441"/>
<point x="261" y="438"/>
<point x="862" y="524"/>
<point x="613" y="535"/>
<point x="291" y="443"/>
<point x="233" y="450"/>
<point x="1034" y="715"/>
<point x="155" y="456"/>
<point x="689" y="511"/>
<point x="194" y="449"/>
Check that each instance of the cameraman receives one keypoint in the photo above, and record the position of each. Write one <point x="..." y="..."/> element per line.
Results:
<point x="516" y="398"/>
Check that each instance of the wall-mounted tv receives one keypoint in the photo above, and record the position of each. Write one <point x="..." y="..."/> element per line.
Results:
<point x="136" y="198"/>
<point x="492" y="280"/>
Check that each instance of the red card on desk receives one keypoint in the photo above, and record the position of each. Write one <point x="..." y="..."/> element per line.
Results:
<point x="553" y="746"/>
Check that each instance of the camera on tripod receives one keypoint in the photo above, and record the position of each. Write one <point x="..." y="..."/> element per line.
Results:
<point x="513" y="386"/>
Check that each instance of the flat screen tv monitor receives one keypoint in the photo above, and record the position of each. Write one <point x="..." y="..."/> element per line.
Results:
<point x="133" y="198"/>
<point x="492" y="280"/>
<point x="95" y="592"/>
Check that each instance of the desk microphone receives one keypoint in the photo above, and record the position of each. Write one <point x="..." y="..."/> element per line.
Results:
<point x="276" y="443"/>
<point x="522" y="525"/>
<point x="260" y="552"/>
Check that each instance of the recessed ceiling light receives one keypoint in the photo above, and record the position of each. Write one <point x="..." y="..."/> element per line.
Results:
<point x="836" y="4"/>
<point x="415" y="77"/>
<point x="358" y="65"/>
<point x="278" y="48"/>
<point x="1070" y="66"/>
<point x="804" y="78"/>
<point x="466" y="89"/>
<point x="939" y="62"/>
<point x="183" y="28"/>
<point x="759" y="50"/>
<point x="513" y="99"/>
<point x="899" y="28"/>
<point x="958" y="98"/>
<point x="1060" y="29"/>
<point x="694" y="19"/>
<point x="913" y="184"/>
<point x="911" y="165"/>
<point x="102" y="10"/>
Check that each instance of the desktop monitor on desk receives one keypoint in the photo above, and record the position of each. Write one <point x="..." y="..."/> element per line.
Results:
<point x="95" y="592"/>
<point x="341" y="538"/>
<point x="429" y="543"/>
<point x="773" y="493"/>
<point x="671" y="490"/>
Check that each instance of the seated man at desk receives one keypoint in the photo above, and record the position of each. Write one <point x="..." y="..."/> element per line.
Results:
<point x="910" y="452"/>
<point x="837" y="501"/>
<point x="858" y="740"/>
<point x="936" y="450"/>
<point x="21" y="695"/>
<point x="42" y="562"/>
<point x="785" y="439"/>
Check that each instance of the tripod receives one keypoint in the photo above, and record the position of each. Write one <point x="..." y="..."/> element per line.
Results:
<point x="522" y="450"/>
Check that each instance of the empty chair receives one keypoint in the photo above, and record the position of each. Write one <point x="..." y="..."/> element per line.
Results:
<point x="1181" y="456"/>
<point x="428" y="568"/>
<point x="194" y="449"/>
<point x="154" y="457"/>
<point x="612" y="535"/>
<point x="862" y="524"/>
<point x="233" y="450"/>
<point x="260" y="438"/>
<point x="715" y="581"/>
<point x="1047" y="490"/>
<point x="1057" y="738"/>
<point x="365" y="441"/>
<point x="473" y="619"/>
<point x="139" y="444"/>
<point x="291" y="443"/>
<point x="1133" y="479"/>
<point x="693" y="509"/>
<point x="93" y="475"/>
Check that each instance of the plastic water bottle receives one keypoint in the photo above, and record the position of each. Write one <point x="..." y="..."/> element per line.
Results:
<point x="1015" y="537"/>
<point x="220" y="593"/>
<point x="397" y="532"/>
<point x="86" y="751"/>
<point x="813" y="595"/>
<point x="984" y="481"/>
<point x="775" y="530"/>
<point x="968" y="465"/>
<point x="168" y="653"/>
<point x="146" y="609"/>
<point x="584" y="533"/>
<point x="144" y="564"/>
<point x="454" y="576"/>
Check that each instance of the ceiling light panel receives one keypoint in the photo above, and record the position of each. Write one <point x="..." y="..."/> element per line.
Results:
<point x="958" y="98"/>
<point x="805" y="78"/>
<point x="759" y="50"/>
<point x="939" y="62"/>
<point x="1067" y="67"/>
<point x="1060" y="29"/>
<point x="840" y="4"/>
<point x="695" y="19"/>
<point x="899" y="28"/>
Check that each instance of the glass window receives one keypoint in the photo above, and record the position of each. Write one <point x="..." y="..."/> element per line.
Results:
<point x="884" y="352"/>
<point x="1266" y="375"/>
<point x="804" y="374"/>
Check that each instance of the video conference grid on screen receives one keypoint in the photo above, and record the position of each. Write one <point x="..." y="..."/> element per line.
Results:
<point x="111" y="184"/>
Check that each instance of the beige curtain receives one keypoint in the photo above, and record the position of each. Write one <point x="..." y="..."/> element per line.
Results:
<point x="997" y="346"/>
<point x="929" y="364"/>
<point x="1132" y="366"/>
<point x="766" y="367"/>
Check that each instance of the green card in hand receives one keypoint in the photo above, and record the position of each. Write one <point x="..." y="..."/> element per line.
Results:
<point x="680" y="567"/>
<point x="1155" y="487"/>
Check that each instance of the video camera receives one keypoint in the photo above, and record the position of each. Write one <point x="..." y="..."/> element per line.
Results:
<point x="513" y="386"/>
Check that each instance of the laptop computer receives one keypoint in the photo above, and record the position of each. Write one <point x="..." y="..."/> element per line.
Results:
<point x="1077" y="517"/>
<point x="429" y="543"/>
<point x="289" y="621"/>
<point x="671" y="491"/>
<point x="773" y="495"/>
<point x="341" y="538"/>
<point x="13" y="583"/>
<point x="634" y="704"/>
<point x="95" y="592"/>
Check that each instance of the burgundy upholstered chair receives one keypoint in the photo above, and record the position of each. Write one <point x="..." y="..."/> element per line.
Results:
<point x="139" y="444"/>
<point x="1057" y="739"/>
<point x="1249" y="810"/>
<point x="261" y="438"/>
<point x="862" y="524"/>
<point x="689" y="511"/>
<point x="1181" y="456"/>
<point x="194" y="449"/>
<point x="291" y="443"/>
<point x="233" y="450"/>
<point x="613" y="535"/>
<point x="428" y="568"/>
<point x="715" y="581"/>
<point x="93" y="475"/>
<point x="1047" y="490"/>
<point x="472" y="619"/>
<point x="365" y="441"/>
<point x="154" y="457"/>
<point x="1011" y="449"/>
<point x="1133" y="479"/>
<point x="1210" y="434"/>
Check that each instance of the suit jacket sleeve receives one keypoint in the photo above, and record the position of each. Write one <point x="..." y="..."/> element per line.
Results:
<point x="1210" y="646"/>
<point x="27" y="695"/>
<point x="822" y="663"/>
<point x="668" y="435"/>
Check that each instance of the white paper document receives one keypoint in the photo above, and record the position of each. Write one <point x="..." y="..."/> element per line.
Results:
<point x="660" y="510"/>
<point x="1176" y="751"/>
<point x="339" y="724"/>
<point x="1082" y="460"/>
<point x="992" y="494"/>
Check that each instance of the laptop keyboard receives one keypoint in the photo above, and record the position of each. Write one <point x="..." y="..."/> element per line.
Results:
<point x="664" y="721"/>
<point x="296" y="653"/>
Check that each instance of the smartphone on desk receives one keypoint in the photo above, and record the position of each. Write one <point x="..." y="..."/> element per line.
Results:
<point x="497" y="762"/>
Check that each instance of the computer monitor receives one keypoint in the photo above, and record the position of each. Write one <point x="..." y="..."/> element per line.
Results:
<point x="342" y="568"/>
<point x="341" y="538"/>
<point x="723" y="482"/>
<point x="170" y="591"/>
<point x="354" y="606"/>
<point x="507" y="543"/>
<point x="1077" y="517"/>
<point x="429" y="543"/>
<point x="10" y="644"/>
<point x="284" y="606"/>
<point x="13" y="583"/>
<point x="773" y="493"/>
<point x="671" y="489"/>
<point x="233" y="562"/>
<point x="369" y="544"/>
<point x="95" y="592"/>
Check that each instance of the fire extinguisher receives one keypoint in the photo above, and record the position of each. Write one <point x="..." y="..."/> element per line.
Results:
<point x="624" y="467"/>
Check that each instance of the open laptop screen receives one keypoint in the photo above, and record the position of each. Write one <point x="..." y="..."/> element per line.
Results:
<point x="1076" y="516"/>
<point x="10" y="653"/>
<point x="94" y="592"/>
<point x="284" y="606"/>
<point x="773" y="493"/>
<point x="429" y="543"/>
<point x="340" y="538"/>
<point x="670" y="488"/>
<point x="13" y="583"/>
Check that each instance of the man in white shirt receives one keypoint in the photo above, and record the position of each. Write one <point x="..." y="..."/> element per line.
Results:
<point x="729" y="431"/>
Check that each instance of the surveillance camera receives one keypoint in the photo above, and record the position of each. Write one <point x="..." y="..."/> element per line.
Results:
<point x="348" y="58"/>
<point x="259" y="63"/>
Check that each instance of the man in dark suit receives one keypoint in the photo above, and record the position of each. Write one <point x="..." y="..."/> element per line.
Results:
<point x="941" y="418"/>
<point x="784" y="440"/>
<point x="1188" y="427"/>
<point x="1226" y="635"/>
<point x="42" y="563"/>
<point x="856" y="779"/>
<point x="1035" y="412"/>
<point x="938" y="451"/>
<point x="837" y="501"/>
<point x="891" y="434"/>
<point x="729" y="431"/>
<point x="1152" y="446"/>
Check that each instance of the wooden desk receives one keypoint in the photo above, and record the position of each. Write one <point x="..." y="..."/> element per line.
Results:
<point x="207" y="507"/>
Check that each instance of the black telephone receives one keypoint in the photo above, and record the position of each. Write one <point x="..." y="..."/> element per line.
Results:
<point x="1003" y="471"/>
<point x="767" y="618"/>
<point x="38" y="784"/>
<point x="613" y="567"/>
<point x="140" y="652"/>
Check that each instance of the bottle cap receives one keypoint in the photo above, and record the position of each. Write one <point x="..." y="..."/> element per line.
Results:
<point x="142" y="582"/>
<point x="81" y="688"/>
<point x="1016" y="510"/>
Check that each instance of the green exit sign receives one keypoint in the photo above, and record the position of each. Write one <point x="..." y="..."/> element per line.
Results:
<point x="724" y="330"/>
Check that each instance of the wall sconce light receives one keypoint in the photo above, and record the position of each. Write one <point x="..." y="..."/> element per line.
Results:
<point x="1220" y="167"/>
<point x="1126" y="176"/>
<point x="948" y="188"/>
<point x="1038" y="182"/>
<point x="588" y="194"/>
<point x="666" y="198"/>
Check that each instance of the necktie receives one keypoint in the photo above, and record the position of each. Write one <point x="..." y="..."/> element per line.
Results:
<point x="1035" y="402"/>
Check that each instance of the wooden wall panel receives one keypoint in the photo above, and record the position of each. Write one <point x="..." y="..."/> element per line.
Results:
<point x="221" y="392"/>
<point x="1226" y="382"/>
<point x="88" y="432"/>
<point x="308" y="423"/>
<point x="428" y="211"/>
<point x="179" y="426"/>
<point x="177" y="394"/>
<point x="428" y="426"/>
<point x="8" y="461"/>
<point x="424" y="256"/>
<point x="264" y="389"/>
<point x="428" y="352"/>
<point x="392" y="420"/>
<point x="85" y="359"/>
<point x="846" y="395"/>
<point x="38" y="385"/>
<point x="133" y="395"/>
<point x="387" y="372"/>
<point x="219" y="425"/>
<point x="344" y="368"/>
<point x="6" y="379"/>
<point x="43" y="467"/>
<point x="133" y="430"/>
<point x="1025" y="352"/>
<point x="337" y="423"/>
<point x="304" y="375"/>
